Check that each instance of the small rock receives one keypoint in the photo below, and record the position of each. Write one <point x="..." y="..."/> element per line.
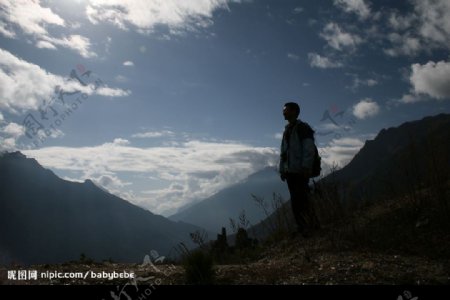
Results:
<point x="368" y="265"/>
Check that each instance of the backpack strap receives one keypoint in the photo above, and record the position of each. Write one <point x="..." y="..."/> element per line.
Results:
<point x="304" y="131"/>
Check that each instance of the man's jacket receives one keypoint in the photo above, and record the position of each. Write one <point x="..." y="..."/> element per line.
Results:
<point x="297" y="148"/>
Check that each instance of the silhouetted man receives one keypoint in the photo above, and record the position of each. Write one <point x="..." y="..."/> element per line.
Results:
<point x="296" y="161"/>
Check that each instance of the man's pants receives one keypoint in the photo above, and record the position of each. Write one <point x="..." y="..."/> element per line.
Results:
<point x="302" y="209"/>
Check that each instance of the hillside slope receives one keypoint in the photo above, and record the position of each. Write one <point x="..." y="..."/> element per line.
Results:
<point x="214" y="212"/>
<point x="45" y="219"/>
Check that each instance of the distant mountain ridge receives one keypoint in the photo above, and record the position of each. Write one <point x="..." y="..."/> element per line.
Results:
<point x="396" y="159"/>
<point x="215" y="212"/>
<point x="398" y="155"/>
<point x="45" y="219"/>
<point x="379" y="166"/>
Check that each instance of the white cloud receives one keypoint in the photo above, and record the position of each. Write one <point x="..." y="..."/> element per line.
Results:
<point x="403" y="45"/>
<point x="24" y="85"/>
<point x="56" y="133"/>
<point x="108" y="181"/>
<point x="278" y="135"/>
<point x="120" y="78"/>
<point x="112" y="92"/>
<point x="45" y="44"/>
<point x="398" y="22"/>
<point x="30" y="16"/>
<point x="200" y="168"/>
<point x="9" y="135"/>
<point x="14" y="130"/>
<point x="146" y="15"/>
<point x="113" y="185"/>
<point x="366" y="108"/>
<point x="339" y="39"/>
<point x="409" y="32"/>
<point x="318" y="61"/>
<point x="49" y="133"/>
<point x="328" y="126"/>
<point x="121" y="142"/>
<point x="408" y="98"/>
<point x="358" y="82"/>
<point x="153" y="134"/>
<point x="370" y="82"/>
<point x="432" y="79"/>
<point x="298" y="10"/>
<point x="359" y="7"/>
<point x="2" y="119"/>
<point x="128" y="63"/>
<point x="293" y="56"/>
<point x="8" y="144"/>
<point x="434" y="18"/>
<point x="426" y="28"/>
<point x="76" y="42"/>
<point x="339" y="151"/>
<point x="34" y="19"/>
<point x="142" y="49"/>
<point x="6" y="31"/>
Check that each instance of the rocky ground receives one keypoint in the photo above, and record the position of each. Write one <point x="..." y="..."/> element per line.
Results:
<point x="294" y="261"/>
<point x="388" y="248"/>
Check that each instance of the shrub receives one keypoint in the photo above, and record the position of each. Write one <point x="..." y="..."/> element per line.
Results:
<point x="199" y="268"/>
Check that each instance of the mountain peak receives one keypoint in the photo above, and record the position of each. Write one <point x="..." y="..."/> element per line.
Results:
<point x="89" y="182"/>
<point x="55" y="220"/>
<point x="18" y="158"/>
<point x="387" y="157"/>
<point x="13" y="155"/>
<point x="263" y="173"/>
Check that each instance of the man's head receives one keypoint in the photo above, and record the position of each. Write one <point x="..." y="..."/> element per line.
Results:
<point x="291" y="111"/>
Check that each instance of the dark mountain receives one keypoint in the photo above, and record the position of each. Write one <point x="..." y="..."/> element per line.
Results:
<point x="411" y="158"/>
<point x="214" y="212"/>
<point x="399" y="157"/>
<point x="392" y="161"/>
<point x="45" y="219"/>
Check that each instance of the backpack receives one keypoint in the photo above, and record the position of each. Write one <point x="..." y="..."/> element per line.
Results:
<point x="307" y="131"/>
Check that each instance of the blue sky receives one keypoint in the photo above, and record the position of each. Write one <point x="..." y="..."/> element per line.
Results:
<point x="171" y="101"/>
